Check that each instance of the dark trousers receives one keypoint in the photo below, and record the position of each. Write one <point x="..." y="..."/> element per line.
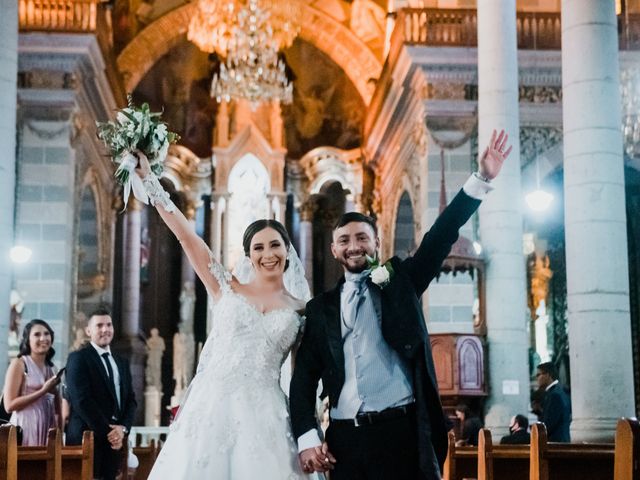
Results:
<point x="383" y="451"/>
<point x="106" y="461"/>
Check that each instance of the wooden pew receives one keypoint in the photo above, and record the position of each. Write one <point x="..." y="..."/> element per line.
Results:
<point x="497" y="462"/>
<point x="77" y="460"/>
<point x="8" y="453"/>
<point x="568" y="461"/>
<point x="146" y="458"/>
<point x="461" y="462"/>
<point x="627" y="457"/>
<point x="42" y="462"/>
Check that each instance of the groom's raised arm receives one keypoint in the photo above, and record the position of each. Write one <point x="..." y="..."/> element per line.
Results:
<point x="437" y="242"/>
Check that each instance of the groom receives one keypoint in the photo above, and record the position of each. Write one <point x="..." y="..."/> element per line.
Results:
<point x="367" y="340"/>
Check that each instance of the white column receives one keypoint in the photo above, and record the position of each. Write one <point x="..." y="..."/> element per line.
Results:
<point x="214" y="232"/>
<point x="306" y="239"/>
<point x="595" y="222"/>
<point x="8" y="92"/>
<point x="131" y="280"/>
<point x="501" y="217"/>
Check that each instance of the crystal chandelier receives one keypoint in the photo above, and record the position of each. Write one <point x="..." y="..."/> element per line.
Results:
<point x="211" y="28"/>
<point x="252" y="69"/>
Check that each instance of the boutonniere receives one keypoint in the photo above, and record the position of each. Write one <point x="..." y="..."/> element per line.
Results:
<point x="380" y="274"/>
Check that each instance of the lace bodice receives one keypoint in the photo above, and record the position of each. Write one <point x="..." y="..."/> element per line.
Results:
<point x="246" y="347"/>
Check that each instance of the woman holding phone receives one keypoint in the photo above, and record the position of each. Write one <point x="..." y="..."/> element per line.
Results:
<point x="30" y="388"/>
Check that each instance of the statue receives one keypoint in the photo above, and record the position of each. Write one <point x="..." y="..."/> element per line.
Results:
<point x="183" y="341"/>
<point x="187" y="305"/>
<point x="155" y="350"/>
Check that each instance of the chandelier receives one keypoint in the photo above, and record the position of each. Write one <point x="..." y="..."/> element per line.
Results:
<point x="211" y="28"/>
<point x="252" y="69"/>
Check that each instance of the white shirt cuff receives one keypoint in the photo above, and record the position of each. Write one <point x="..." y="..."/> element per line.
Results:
<point x="476" y="188"/>
<point x="309" y="439"/>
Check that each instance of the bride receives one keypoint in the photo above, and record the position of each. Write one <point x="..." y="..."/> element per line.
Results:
<point x="234" y="419"/>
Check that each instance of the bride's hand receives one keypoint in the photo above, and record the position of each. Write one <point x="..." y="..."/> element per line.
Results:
<point x="143" y="168"/>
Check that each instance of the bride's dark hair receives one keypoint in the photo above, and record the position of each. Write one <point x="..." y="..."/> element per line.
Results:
<point x="260" y="225"/>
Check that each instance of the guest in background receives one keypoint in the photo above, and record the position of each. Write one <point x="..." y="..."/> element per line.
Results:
<point x="556" y="407"/>
<point x="518" y="434"/>
<point x="471" y="426"/>
<point x="30" y="388"/>
<point x="101" y="396"/>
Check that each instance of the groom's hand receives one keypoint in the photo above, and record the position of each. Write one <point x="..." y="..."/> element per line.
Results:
<point x="317" y="459"/>
<point x="495" y="154"/>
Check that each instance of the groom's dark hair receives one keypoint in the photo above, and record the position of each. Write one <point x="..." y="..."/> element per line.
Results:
<point x="350" y="217"/>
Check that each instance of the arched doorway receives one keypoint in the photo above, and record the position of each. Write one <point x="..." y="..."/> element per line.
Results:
<point x="403" y="237"/>
<point x="331" y="203"/>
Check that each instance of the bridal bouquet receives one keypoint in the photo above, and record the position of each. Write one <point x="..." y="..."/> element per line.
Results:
<point x="136" y="129"/>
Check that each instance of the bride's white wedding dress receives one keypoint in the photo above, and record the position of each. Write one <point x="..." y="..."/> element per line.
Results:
<point x="234" y="422"/>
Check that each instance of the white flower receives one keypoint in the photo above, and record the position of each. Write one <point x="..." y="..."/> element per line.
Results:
<point x="380" y="275"/>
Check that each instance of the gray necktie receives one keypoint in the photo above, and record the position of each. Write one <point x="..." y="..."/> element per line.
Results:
<point x="354" y="290"/>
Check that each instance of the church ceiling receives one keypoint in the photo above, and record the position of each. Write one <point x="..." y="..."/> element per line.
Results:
<point x="326" y="111"/>
<point x="365" y="18"/>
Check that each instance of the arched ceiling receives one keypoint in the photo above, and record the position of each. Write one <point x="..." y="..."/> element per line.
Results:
<point x="338" y="42"/>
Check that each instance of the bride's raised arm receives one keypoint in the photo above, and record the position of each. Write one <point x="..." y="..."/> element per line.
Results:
<point x="196" y="249"/>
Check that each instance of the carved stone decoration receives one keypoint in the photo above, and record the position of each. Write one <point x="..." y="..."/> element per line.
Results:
<point x="536" y="140"/>
<point x="327" y="164"/>
<point x="367" y="20"/>
<point x="446" y="91"/>
<point x="540" y="94"/>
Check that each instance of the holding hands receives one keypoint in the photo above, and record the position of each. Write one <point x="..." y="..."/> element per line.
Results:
<point x="494" y="155"/>
<point x="317" y="459"/>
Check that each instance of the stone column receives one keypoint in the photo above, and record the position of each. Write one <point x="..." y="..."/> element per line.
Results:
<point x="501" y="218"/>
<point x="129" y="345"/>
<point x="188" y="274"/>
<point x="595" y="222"/>
<point x="8" y="92"/>
<point x="131" y="280"/>
<point x="306" y="238"/>
<point x="214" y="232"/>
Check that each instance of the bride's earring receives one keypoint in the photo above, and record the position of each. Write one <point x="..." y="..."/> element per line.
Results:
<point x="286" y="262"/>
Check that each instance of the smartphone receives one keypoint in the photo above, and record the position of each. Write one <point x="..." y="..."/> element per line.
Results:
<point x="60" y="372"/>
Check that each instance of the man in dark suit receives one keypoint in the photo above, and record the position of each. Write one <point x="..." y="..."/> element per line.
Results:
<point x="367" y="340"/>
<point x="101" y="396"/>
<point x="556" y="407"/>
<point x="518" y="432"/>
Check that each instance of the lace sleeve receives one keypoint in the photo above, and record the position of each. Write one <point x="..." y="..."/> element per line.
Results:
<point x="222" y="276"/>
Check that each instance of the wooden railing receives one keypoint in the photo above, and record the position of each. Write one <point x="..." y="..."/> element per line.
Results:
<point x="58" y="15"/>
<point x="458" y="28"/>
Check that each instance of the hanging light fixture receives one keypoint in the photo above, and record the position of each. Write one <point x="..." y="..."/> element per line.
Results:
<point x="538" y="200"/>
<point x="211" y="27"/>
<point x="252" y="69"/>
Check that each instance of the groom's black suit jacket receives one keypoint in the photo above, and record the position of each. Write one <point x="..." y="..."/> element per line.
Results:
<point x="93" y="401"/>
<point x="403" y="326"/>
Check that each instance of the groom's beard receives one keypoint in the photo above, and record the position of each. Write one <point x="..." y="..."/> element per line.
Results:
<point x="357" y="268"/>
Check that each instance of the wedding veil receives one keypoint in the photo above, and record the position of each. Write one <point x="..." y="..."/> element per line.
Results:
<point x="294" y="279"/>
